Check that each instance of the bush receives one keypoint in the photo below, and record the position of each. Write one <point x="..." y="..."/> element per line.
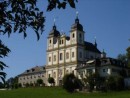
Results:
<point x="119" y="83"/>
<point x="27" y="85"/>
<point x="39" y="82"/>
<point x="70" y="83"/>
<point x="51" y="80"/>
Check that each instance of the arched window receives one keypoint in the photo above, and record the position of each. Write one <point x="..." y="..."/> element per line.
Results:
<point x="73" y="35"/>
<point x="61" y="56"/>
<point x="50" y="41"/>
<point x="72" y="54"/>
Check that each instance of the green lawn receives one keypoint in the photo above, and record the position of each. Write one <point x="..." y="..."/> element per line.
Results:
<point x="54" y="92"/>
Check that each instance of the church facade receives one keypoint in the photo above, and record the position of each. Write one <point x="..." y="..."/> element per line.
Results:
<point x="66" y="53"/>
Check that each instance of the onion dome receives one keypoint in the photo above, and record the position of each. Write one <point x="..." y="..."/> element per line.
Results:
<point x="54" y="32"/>
<point x="77" y="25"/>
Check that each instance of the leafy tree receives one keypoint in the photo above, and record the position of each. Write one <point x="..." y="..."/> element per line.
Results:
<point x="122" y="57"/>
<point x="111" y="83"/>
<point x="4" y="50"/>
<point x="70" y="83"/>
<point x="1" y="85"/>
<point x="128" y="55"/>
<point x="51" y="80"/>
<point x="39" y="82"/>
<point x="18" y="15"/>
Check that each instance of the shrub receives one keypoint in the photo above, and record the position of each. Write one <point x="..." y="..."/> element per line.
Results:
<point x="39" y="82"/>
<point x="70" y="83"/>
<point x="51" y="80"/>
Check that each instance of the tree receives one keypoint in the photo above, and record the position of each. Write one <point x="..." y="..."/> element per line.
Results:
<point x="19" y="15"/>
<point x="122" y="57"/>
<point x="128" y="55"/>
<point x="4" y="50"/>
<point x="51" y="80"/>
<point x="70" y="83"/>
<point x="39" y="82"/>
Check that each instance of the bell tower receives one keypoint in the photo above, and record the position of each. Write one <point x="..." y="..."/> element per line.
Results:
<point x="76" y="32"/>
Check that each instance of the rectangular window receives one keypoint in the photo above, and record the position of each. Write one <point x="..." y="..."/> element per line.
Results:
<point x="61" y="56"/>
<point x="62" y="41"/>
<point x="72" y="54"/>
<point x="54" y="57"/>
<point x="73" y="35"/>
<point x="50" y="41"/>
<point x="49" y="59"/>
<point x="104" y="70"/>
<point x="67" y="55"/>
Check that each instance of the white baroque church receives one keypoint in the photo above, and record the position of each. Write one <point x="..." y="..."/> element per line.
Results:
<point x="66" y="53"/>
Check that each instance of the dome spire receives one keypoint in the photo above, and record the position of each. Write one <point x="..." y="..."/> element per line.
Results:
<point x="95" y="42"/>
<point x="77" y="19"/>
<point x="54" y="27"/>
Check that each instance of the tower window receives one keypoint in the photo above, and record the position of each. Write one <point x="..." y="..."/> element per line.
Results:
<point x="73" y="35"/>
<point x="61" y="56"/>
<point x="49" y="59"/>
<point x="67" y="55"/>
<point x="50" y="41"/>
<point x="72" y="54"/>
<point x="62" y="41"/>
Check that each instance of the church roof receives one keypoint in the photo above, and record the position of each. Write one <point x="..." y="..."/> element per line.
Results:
<point x="90" y="47"/>
<point x="54" y="32"/>
<point x="33" y="70"/>
<point x="102" y="62"/>
<point x="77" y="25"/>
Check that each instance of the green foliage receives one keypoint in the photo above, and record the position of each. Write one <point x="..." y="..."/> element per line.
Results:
<point x="70" y="83"/>
<point x="128" y="55"/>
<point x="60" y="4"/>
<point x="4" y="50"/>
<point x="18" y="15"/>
<point x="122" y="57"/>
<point x="1" y="85"/>
<point x="27" y="85"/>
<point x="39" y="82"/>
<point x="51" y="80"/>
<point x="115" y="83"/>
<point x="31" y="85"/>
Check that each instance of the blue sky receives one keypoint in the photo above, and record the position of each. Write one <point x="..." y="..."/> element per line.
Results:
<point x="108" y="20"/>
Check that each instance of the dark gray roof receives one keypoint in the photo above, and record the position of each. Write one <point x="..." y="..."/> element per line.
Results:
<point x="36" y="69"/>
<point x="54" y="32"/>
<point x="77" y="25"/>
<point x="102" y="62"/>
<point x="90" y="47"/>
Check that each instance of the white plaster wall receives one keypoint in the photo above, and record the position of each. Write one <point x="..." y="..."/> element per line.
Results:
<point x="67" y="42"/>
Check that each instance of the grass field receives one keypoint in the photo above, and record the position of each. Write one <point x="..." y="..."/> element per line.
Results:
<point x="53" y="92"/>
